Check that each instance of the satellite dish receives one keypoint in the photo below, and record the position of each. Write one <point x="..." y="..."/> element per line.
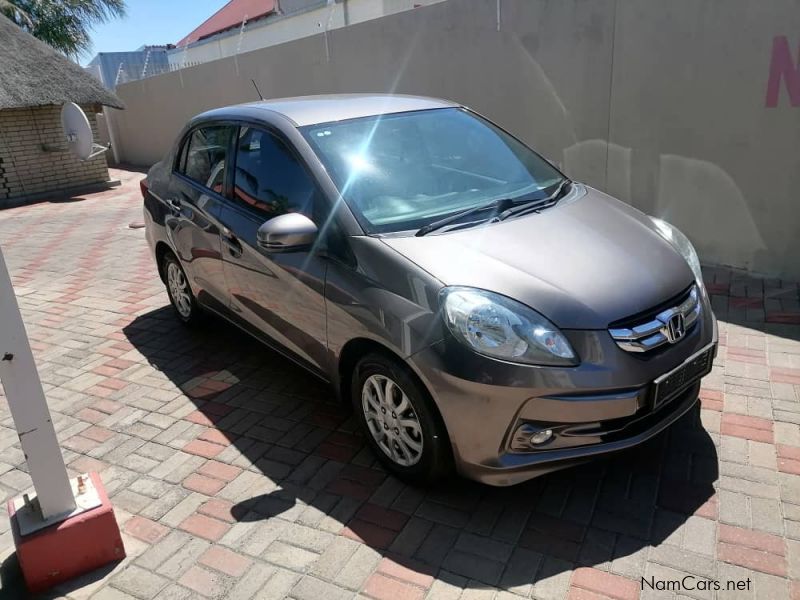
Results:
<point x="78" y="132"/>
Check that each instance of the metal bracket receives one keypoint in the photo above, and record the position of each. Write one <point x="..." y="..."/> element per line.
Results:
<point x="97" y="150"/>
<point x="29" y="514"/>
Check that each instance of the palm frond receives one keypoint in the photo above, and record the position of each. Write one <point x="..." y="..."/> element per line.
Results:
<point x="16" y="14"/>
<point x="64" y="24"/>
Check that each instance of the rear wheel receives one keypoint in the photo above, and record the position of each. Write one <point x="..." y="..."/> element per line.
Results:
<point x="179" y="291"/>
<point x="400" y="421"/>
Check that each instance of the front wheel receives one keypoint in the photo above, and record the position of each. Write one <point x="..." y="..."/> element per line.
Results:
<point x="179" y="291"/>
<point x="402" y="425"/>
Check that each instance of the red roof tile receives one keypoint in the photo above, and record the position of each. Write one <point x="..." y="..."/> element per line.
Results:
<point x="230" y="15"/>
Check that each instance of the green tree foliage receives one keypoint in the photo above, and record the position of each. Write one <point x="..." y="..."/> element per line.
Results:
<point x="64" y="24"/>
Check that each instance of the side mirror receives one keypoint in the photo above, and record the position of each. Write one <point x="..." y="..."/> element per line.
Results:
<point x="291" y="231"/>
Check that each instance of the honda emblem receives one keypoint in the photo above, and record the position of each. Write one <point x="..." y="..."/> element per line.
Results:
<point x="675" y="328"/>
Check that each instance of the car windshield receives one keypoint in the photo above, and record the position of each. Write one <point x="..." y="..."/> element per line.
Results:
<point x="400" y="172"/>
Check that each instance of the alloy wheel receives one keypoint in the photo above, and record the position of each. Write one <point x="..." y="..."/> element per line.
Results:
<point x="179" y="290"/>
<point x="392" y="420"/>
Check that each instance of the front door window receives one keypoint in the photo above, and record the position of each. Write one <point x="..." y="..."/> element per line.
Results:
<point x="269" y="178"/>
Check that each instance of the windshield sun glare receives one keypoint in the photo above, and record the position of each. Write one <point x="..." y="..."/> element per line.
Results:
<point x="402" y="171"/>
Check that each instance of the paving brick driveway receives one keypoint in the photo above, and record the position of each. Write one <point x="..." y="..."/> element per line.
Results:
<point x="233" y="473"/>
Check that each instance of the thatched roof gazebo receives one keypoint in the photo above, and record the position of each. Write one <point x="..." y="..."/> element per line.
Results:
<point x="35" y="81"/>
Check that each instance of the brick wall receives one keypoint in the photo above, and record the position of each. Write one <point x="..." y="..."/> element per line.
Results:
<point x="34" y="159"/>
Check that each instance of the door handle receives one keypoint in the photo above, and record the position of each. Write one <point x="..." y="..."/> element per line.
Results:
<point x="174" y="204"/>
<point x="233" y="245"/>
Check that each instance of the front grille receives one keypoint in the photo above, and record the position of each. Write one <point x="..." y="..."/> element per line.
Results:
<point x="669" y="325"/>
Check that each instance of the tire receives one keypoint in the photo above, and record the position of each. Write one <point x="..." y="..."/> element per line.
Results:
<point x="179" y="291"/>
<point x="419" y="457"/>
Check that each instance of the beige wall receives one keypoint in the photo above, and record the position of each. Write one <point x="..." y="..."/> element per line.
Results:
<point x="706" y="153"/>
<point x="34" y="158"/>
<point x="660" y="103"/>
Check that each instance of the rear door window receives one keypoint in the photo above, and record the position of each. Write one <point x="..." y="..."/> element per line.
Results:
<point x="205" y="156"/>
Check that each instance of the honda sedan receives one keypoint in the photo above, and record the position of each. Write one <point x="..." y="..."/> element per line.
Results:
<point x="478" y="309"/>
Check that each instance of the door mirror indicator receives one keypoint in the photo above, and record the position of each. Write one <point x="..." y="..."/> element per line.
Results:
<point x="291" y="231"/>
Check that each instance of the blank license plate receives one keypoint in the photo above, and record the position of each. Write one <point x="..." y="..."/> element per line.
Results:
<point x="673" y="383"/>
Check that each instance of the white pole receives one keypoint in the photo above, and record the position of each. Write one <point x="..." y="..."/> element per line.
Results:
<point x="241" y="35"/>
<point x="28" y="407"/>
<point x="239" y="45"/>
<point x="112" y="136"/>
<point x="328" y="26"/>
<point x="146" y="61"/>
<point x="116" y="79"/>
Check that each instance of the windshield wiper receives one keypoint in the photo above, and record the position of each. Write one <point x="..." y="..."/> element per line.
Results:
<point x="534" y="205"/>
<point x="502" y="207"/>
<point x="498" y="206"/>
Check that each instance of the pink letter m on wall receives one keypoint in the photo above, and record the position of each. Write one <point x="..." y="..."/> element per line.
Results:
<point x="782" y="67"/>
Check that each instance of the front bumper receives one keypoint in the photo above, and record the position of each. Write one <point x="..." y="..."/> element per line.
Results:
<point x="603" y="405"/>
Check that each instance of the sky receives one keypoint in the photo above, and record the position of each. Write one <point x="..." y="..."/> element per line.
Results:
<point x="150" y="22"/>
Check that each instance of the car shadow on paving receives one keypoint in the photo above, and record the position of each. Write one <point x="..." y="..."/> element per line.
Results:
<point x="11" y="582"/>
<point x="319" y="472"/>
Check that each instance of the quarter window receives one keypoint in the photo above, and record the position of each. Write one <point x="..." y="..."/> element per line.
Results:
<point x="206" y="156"/>
<point x="269" y="178"/>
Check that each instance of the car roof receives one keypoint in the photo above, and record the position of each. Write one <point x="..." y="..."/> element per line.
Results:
<point x="312" y="110"/>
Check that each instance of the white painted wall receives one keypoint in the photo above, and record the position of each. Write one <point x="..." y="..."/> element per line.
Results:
<point x="278" y="29"/>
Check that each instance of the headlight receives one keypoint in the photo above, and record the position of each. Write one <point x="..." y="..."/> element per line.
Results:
<point x="682" y="244"/>
<point x="502" y="328"/>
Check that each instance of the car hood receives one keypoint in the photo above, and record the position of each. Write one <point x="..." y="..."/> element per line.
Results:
<point x="584" y="263"/>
